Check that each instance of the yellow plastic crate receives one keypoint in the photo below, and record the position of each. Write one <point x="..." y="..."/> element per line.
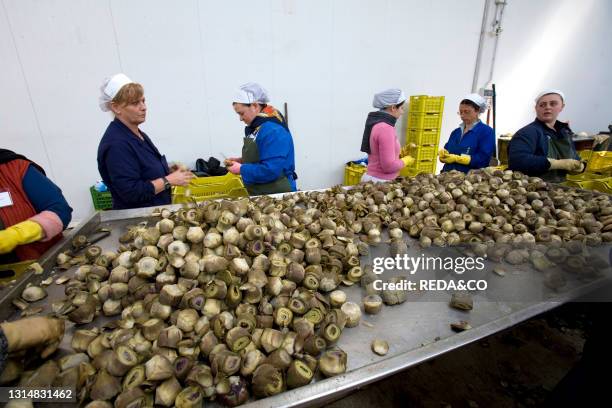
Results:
<point x="600" y="162"/>
<point x="501" y="167"/>
<point x="575" y="184"/>
<point x="421" y="166"/>
<point x="210" y="188"/>
<point x="422" y="137"/>
<point x="353" y="173"/>
<point x="428" y="104"/>
<point x="590" y="181"/>
<point x="585" y="154"/>
<point x="425" y="166"/>
<point x="421" y="152"/>
<point x="605" y="186"/>
<point x="582" y="177"/>
<point x="409" y="172"/>
<point x="584" y="185"/>
<point x="418" y="120"/>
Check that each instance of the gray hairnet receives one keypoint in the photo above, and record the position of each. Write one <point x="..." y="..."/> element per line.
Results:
<point x="388" y="97"/>
<point x="251" y="92"/>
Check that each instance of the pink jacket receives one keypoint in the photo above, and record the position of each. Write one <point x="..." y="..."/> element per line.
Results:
<point x="383" y="161"/>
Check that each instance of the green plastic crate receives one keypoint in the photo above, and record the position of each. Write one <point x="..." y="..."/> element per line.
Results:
<point x="101" y="200"/>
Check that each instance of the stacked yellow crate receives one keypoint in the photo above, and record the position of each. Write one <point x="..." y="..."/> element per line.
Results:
<point x="423" y="133"/>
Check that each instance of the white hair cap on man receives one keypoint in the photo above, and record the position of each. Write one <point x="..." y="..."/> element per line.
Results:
<point x="388" y="97"/>
<point x="251" y="92"/>
<point x="549" y="92"/>
<point x="110" y="88"/>
<point x="478" y="100"/>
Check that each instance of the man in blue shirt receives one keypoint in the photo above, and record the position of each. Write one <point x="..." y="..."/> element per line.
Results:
<point x="545" y="148"/>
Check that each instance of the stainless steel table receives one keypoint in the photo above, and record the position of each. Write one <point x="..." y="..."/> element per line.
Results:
<point x="416" y="330"/>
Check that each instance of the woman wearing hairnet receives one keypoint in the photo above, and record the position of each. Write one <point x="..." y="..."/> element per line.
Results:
<point x="136" y="173"/>
<point x="472" y="144"/>
<point x="267" y="165"/>
<point x="544" y="148"/>
<point x="380" y="140"/>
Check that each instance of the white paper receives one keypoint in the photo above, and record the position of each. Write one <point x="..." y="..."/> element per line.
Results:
<point x="5" y="199"/>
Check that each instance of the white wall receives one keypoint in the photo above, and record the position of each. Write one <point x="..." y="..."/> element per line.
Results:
<point x="554" y="44"/>
<point x="324" y="58"/>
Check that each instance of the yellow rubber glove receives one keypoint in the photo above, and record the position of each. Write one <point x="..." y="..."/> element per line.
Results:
<point x="408" y="160"/>
<point x="464" y="159"/>
<point x="20" y="234"/>
<point x="446" y="157"/>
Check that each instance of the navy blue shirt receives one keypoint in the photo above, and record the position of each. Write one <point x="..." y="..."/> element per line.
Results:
<point x="528" y="148"/>
<point x="478" y="142"/>
<point x="128" y="164"/>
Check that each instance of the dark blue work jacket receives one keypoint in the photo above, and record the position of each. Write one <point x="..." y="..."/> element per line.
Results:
<point x="478" y="142"/>
<point x="128" y="164"/>
<point x="528" y="148"/>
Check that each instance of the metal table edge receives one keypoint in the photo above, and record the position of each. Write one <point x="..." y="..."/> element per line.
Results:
<point x="334" y="388"/>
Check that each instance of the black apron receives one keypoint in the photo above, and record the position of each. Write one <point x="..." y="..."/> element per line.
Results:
<point x="558" y="149"/>
<point x="250" y="154"/>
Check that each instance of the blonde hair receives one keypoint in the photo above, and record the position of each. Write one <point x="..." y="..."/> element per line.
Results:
<point x="129" y="93"/>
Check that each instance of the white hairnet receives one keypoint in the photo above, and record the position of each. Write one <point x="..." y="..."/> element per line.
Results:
<point x="110" y="87"/>
<point x="550" y="91"/>
<point x="388" y="97"/>
<point x="478" y="100"/>
<point x="251" y="92"/>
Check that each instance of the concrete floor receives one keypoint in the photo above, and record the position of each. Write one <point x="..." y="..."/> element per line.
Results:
<point x="515" y="368"/>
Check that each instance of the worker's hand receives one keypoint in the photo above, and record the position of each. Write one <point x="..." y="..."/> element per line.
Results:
<point x="599" y="139"/>
<point x="443" y="155"/>
<point x="234" y="167"/>
<point x="450" y="158"/>
<point x="41" y="332"/>
<point x="20" y="234"/>
<point x="180" y="177"/>
<point x="405" y="151"/>
<point x="178" y="166"/>
<point x="228" y="162"/>
<point x="565" y="164"/>
<point x="464" y="159"/>
<point x="408" y="160"/>
<point x="581" y="167"/>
